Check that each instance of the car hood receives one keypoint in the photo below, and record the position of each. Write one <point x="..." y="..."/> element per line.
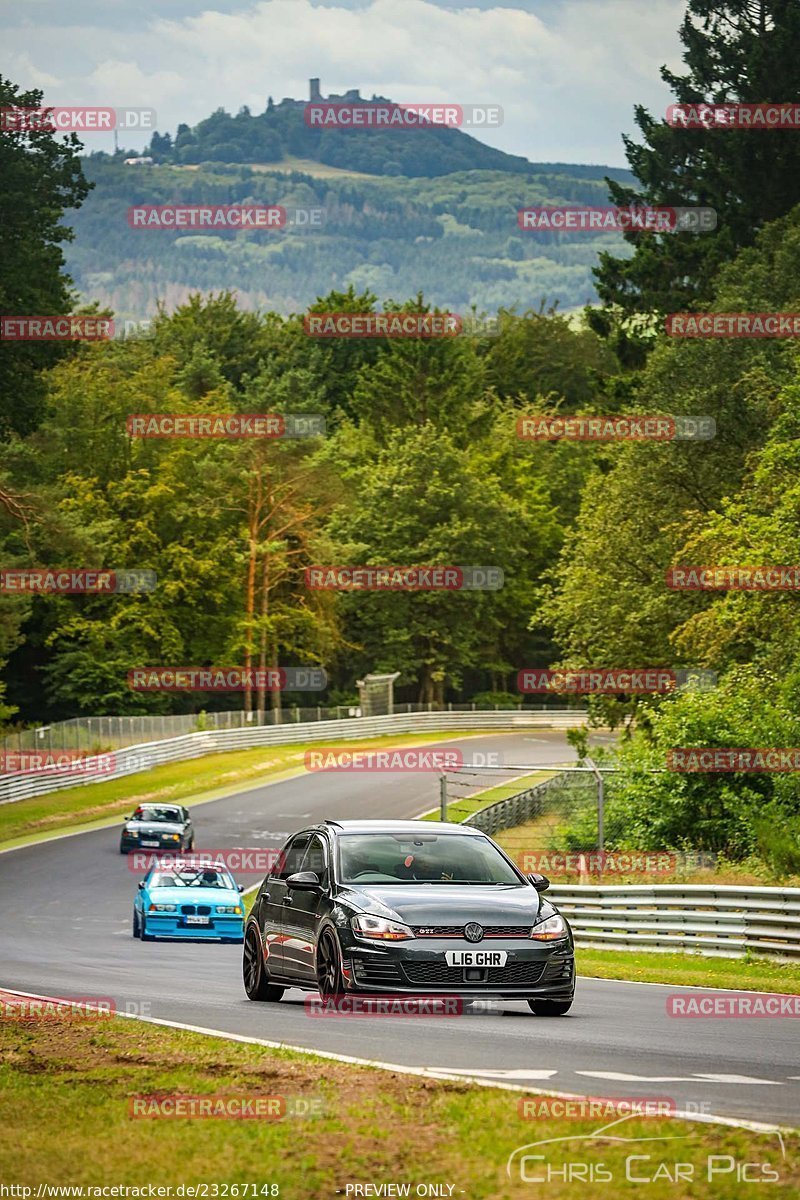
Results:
<point x="155" y="827"/>
<point x="448" y="903"/>
<point x="194" y="895"/>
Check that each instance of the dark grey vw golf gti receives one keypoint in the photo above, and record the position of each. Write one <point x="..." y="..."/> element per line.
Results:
<point x="406" y="907"/>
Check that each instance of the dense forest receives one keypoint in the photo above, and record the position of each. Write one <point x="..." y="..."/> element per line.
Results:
<point x="421" y="463"/>
<point x="454" y="237"/>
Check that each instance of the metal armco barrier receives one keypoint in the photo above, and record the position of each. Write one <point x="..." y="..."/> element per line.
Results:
<point x="127" y="761"/>
<point x="709" y="919"/>
<point x="516" y="810"/>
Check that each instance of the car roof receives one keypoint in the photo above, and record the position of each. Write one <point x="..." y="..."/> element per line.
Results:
<point x="355" y="826"/>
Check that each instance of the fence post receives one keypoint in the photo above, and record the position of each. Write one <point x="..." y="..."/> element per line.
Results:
<point x="443" y="797"/>
<point x="601" y="802"/>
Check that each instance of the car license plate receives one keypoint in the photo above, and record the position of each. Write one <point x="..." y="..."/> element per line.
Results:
<point x="198" y="920"/>
<point x="476" y="958"/>
<point x="151" y="845"/>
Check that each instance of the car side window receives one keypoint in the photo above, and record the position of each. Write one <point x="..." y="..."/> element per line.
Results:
<point x="316" y="858"/>
<point x="291" y="856"/>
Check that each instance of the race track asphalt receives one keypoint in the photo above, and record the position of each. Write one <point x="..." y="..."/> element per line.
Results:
<point x="66" y="905"/>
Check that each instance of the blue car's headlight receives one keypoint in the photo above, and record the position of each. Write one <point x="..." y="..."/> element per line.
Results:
<point x="236" y="909"/>
<point x="163" y="908"/>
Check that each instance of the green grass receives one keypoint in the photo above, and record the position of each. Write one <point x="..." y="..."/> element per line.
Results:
<point x="195" y="781"/>
<point x="691" y="970"/>
<point x="66" y="1087"/>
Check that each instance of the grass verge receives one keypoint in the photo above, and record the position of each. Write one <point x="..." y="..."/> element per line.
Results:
<point x="458" y="810"/>
<point x="197" y="780"/>
<point x="691" y="970"/>
<point x="66" y="1089"/>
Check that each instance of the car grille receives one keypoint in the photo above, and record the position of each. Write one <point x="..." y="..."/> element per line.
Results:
<point x="440" y="973"/>
<point x="457" y="931"/>
<point x="200" y="910"/>
<point x="376" y="973"/>
<point x="559" y="968"/>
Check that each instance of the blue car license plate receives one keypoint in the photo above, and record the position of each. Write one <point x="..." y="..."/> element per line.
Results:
<point x="198" y="920"/>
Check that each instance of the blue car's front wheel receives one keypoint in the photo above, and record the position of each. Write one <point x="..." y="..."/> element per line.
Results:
<point x="143" y="934"/>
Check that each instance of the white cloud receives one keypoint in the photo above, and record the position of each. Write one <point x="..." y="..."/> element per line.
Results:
<point x="567" y="74"/>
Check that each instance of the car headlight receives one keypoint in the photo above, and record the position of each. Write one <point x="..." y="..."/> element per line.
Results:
<point x="380" y="929"/>
<point x="550" y="929"/>
<point x="130" y="832"/>
<point x="163" y="908"/>
<point x="172" y="837"/>
<point x="230" y="908"/>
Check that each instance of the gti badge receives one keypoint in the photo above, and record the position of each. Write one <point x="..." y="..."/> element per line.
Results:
<point x="473" y="932"/>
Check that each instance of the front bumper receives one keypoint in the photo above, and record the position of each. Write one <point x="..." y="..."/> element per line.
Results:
<point x="532" y="968"/>
<point x="173" y="925"/>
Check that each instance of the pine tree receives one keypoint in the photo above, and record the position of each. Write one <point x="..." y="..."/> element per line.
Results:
<point x="745" y="50"/>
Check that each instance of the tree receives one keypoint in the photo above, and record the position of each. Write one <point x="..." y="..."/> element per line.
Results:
<point x="735" y="50"/>
<point x="41" y="178"/>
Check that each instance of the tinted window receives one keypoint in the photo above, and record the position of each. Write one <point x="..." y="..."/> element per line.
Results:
<point x="291" y="858"/>
<point x="316" y="859"/>
<point x="422" y="858"/>
<point x="150" y="812"/>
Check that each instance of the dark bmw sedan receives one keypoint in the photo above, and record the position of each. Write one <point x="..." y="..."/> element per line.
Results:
<point x="406" y="907"/>
<point x="157" y="827"/>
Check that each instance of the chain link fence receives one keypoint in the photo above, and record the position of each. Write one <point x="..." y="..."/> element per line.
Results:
<point x="551" y="820"/>
<point x="96" y="735"/>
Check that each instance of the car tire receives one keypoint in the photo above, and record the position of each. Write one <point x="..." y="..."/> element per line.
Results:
<point x="143" y="934"/>
<point x="550" y="1008"/>
<point x="136" y="930"/>
<point x="330" y="981"/>
<point x="254" y="973"/>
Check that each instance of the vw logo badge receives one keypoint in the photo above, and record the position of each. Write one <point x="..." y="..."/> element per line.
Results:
<point x="473" y="932"/>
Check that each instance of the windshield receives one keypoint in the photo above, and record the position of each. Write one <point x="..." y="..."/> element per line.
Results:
<point x="205" y="878"/>
<point x="423" y="858"/>
<point x="147" y="812"/>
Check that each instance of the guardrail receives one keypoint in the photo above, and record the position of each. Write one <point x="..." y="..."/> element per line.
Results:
<point x="709" y="919"/>
<point x="516" y="810"/>
<point x="131" y="759"/>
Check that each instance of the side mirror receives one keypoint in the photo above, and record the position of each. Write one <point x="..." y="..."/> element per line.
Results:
<point x="141" y="885"/>
<point x="540" y="882"/>
<point x="129" y="817"/>
<point x="304" y="881"/>
<point x="240" y="887"/>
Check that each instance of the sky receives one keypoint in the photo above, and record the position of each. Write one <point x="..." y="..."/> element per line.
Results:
<point x="567" y="73"/>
